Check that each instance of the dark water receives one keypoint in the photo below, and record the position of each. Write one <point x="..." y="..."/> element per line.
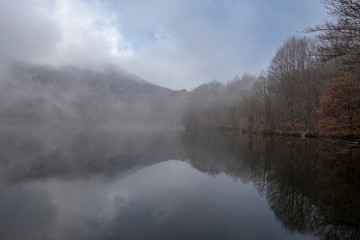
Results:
<point x="98" y="183"/>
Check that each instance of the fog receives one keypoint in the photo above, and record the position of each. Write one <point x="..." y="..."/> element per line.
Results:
<point x="102" y="183"/>
<point x="68" y="96"/>
<point x="177" y="44"/>
<point x="76" y="62"/>
<point x="108" y="96"/>
<point x="60" y="66"/>
<point x="96" y="143"/>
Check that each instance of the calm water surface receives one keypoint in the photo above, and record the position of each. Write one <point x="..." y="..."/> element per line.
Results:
<point x="102" y="183"/>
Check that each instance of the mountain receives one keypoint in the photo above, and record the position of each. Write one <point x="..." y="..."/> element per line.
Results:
<point x="108" y="78"/>
<point x="69" y="96"/>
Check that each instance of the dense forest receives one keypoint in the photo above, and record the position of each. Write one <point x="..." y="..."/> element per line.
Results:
<point x="311" y="85"/>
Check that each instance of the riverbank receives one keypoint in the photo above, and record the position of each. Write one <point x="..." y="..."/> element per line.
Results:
<point x="293" y="133"/>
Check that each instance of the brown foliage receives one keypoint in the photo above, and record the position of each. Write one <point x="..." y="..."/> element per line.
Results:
<point x="339" y="109"/>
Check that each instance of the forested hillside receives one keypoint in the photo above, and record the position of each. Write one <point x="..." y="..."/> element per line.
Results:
<point x="311" y="85"/>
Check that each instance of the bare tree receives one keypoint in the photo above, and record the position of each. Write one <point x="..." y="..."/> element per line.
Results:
<point x="288" y="75"/>
<point x="264" y="91"/>
<point x="340" y="35"/>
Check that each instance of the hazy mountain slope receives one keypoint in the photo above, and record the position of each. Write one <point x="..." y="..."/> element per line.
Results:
<point x="39" y="96"/>
<point x="109" y="78"/>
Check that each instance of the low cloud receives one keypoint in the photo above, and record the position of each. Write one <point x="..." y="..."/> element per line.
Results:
<point x="176" y="44"/>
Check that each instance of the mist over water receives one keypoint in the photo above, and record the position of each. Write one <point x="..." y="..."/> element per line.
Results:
<point x="95" y="145"/>
<point x="107" y="183"/>
<point x="102" y="154"/>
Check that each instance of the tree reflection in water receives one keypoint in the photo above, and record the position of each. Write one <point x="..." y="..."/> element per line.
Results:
<point x="312" y="186"/>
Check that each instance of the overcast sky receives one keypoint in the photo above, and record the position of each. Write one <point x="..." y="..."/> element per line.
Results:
<point x="173" y="43"/>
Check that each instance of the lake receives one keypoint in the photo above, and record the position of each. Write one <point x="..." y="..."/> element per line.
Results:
<point x="113" y="183"/>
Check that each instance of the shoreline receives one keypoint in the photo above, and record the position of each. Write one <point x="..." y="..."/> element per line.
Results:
<point x="297" y="134"/>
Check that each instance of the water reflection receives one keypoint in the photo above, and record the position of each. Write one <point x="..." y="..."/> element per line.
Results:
<point x="39" y="153"/>
<point x="312" y="186"/>
<point x="100" y="183"/>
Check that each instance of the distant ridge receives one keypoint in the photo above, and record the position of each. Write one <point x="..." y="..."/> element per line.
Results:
<point x="108" y="78"/>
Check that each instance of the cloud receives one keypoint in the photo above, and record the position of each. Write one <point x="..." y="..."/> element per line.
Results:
<point x="89" y="34"/>
<point x="60" y="32"/>
<point x="176" y="44"/>
<point x="25" y="32"/>
<point x="208" y="39"/>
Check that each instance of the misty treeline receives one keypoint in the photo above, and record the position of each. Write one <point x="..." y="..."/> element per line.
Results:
<point x="311" y="85"/>
<point x="215" y="104"/>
